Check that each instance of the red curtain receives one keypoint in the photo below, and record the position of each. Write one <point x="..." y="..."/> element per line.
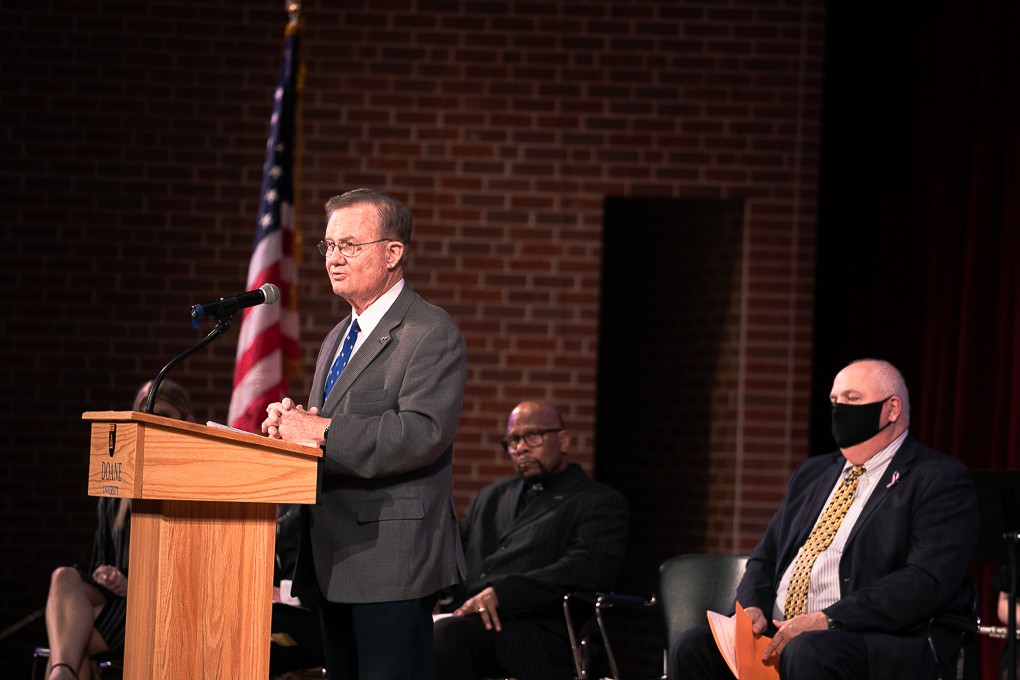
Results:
<point x="969" y="229"/>
<point x="919" y="224"/>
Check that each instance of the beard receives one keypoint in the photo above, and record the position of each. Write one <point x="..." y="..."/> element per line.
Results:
<point x="532" y="470"/>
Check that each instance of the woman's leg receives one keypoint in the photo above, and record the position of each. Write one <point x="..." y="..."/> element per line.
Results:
<point x="71" y="609"/>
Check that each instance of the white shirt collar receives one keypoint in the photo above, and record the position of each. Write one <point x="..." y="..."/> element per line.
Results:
<point x="880" y="461"/>
<point x="373" y="314"/>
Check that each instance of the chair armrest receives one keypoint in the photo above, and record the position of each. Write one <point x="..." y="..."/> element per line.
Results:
<point x="955" y="622"/>
<point x="611" y="599"/>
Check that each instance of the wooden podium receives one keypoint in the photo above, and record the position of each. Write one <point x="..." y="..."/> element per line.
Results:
<point x="203" y="520"/>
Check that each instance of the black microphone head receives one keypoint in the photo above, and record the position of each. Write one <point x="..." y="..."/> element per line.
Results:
<point x="271" y="292"/>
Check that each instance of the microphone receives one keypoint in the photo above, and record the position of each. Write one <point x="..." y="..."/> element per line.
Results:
<point x="223" y="310"/>
<point x="224" y="307"/>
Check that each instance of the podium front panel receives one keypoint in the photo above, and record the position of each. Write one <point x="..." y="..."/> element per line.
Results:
<point x="200" y="590"/>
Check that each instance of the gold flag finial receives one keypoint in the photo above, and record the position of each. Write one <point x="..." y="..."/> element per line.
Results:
<point x="293" y="11"/>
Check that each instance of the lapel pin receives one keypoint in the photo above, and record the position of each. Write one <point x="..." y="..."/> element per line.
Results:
<point x="895" y="478"/>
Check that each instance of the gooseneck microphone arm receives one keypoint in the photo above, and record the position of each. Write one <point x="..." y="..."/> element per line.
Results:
<point x="222" y="325"/>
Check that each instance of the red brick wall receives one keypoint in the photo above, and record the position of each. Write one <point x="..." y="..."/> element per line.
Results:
<point x="133" y="142"/>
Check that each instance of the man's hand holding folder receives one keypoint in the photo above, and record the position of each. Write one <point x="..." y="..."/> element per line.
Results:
<point x="741" y="648"/>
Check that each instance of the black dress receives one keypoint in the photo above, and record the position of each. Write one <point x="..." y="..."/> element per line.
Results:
<point x="110" y="546"/>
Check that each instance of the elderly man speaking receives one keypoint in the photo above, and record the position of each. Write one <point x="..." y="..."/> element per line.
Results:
<point x="385" y="401"/>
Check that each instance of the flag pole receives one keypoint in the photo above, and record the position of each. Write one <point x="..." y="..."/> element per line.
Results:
<point x="292" y="362"/>
<point x="267" y="354"/>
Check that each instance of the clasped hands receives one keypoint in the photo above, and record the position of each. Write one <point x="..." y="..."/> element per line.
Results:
<point x="291" y="422"/>
<point x="111" y="578"/>
<point x="787" y="630"/>
<point x="486" y="605"/>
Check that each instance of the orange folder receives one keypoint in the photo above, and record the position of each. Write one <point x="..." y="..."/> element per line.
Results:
<point x="740" y="648"/>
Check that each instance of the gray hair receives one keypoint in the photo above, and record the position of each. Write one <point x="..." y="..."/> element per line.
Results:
<point x="396" y="219"/>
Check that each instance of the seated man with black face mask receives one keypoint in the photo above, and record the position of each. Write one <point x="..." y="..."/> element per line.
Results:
<point x="869" y="544"/>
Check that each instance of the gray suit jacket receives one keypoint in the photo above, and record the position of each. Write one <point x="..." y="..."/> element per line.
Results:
<point x="385" y="526"/>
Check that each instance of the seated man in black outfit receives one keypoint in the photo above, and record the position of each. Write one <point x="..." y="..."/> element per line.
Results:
<point x="529" y="541"/>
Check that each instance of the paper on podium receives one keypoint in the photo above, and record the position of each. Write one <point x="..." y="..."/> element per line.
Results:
<point x="740" y="648"/>
<point x="221" y="426"/>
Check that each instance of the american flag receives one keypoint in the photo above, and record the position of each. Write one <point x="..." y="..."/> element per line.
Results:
<point x="267" y="348"/>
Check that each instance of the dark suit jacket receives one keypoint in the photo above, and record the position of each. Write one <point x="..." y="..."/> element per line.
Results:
<point x="905" y="560"/>
<point x="573" y="536"/>
<point x="385" y="526"/>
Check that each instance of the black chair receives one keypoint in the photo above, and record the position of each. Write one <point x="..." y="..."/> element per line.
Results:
<point x="953" y="636"/>
<point x="687" y="587"/>
<point x="690" y="585"/>
<point x="581" y="638"/>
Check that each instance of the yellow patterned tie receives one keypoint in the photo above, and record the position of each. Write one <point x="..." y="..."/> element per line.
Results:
<point x="820" y="538"/>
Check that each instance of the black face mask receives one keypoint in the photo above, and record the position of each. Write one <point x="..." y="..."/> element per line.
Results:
<point x="856" y="423"/>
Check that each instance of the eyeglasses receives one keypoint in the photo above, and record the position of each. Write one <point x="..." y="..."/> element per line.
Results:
<point x="533" y="438"/>
<point x="347" y="248"/>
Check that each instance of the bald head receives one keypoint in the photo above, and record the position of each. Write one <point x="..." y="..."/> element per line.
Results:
<point x="887" y="379"/>
<point x="537" y="411"/>
<point x="536" y="440"/>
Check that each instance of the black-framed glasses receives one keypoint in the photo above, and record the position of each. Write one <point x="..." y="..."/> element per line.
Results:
<point x="532" y="438"/>
<point x="347" y="248"/>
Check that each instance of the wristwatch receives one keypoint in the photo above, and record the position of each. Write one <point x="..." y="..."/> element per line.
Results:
<point x="325" y="434"/>
<point x="832" y="623"/>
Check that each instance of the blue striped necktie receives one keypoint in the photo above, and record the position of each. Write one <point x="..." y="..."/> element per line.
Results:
<point x="342" y="358"/>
